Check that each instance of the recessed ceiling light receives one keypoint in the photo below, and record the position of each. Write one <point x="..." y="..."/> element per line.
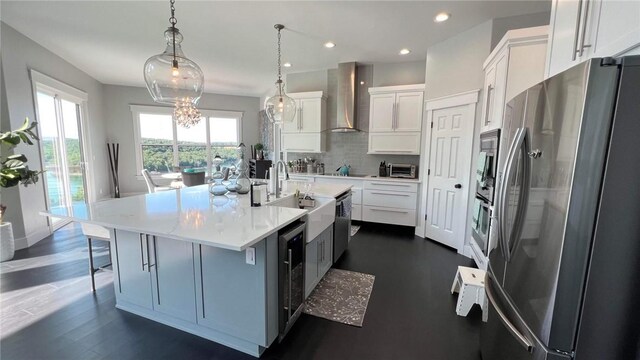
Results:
<point x="329" y="45"/>
<point x="443" y="16"/>
<point x="404" y="51"/>
<point x="361" y="82"/>
<point x="287" y="64"/>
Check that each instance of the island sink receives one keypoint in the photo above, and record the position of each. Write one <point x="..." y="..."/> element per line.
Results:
<point x="319" y="217"/>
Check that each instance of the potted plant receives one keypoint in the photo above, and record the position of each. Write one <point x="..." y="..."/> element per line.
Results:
<point x="259" y="151"/>
<point x="14" y="171"/>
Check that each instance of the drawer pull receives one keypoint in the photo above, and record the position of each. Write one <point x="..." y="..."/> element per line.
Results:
<point x="386" y="184"/>
<point x="390" y="194"/>
<point x="393" y="211"/>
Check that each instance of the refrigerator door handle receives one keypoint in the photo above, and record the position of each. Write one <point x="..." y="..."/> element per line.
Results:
<point x="521" y="212"/>
<point x="503" y="191"/>
<point x="504" y="319"/>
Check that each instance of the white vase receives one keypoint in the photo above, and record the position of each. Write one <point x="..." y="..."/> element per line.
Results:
<point x="7" y="243"/>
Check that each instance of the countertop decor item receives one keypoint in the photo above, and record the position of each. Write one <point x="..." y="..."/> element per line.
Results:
<point x="344" y="169"/>
<point x="259" y="149"/>
<point x="114" y="154"/>
<point x="216" y="187"/>
<point x="280" y="108"/>
<point x="243" y="183"/>
<point x="15" y="171"/>
<point x="171" y="77"/>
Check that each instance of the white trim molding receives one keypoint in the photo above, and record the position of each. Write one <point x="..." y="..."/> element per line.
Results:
<point x="463" y="98"/>
<point x="396" y="88"/>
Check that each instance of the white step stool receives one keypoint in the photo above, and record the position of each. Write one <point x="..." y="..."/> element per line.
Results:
<point x="469" y="283"/>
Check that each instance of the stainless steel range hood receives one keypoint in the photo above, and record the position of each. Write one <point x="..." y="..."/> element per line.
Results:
<point x="346" y="96"/>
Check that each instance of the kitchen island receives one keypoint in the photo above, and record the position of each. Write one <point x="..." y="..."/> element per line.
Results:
<point x="202" y="264"/>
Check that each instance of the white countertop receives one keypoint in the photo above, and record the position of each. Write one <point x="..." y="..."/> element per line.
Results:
<point x="189" y="214"/>
<point x="360" y="178"/>
<point x="317" y="189"/>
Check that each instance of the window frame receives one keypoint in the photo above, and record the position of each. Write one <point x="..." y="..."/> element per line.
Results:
<point x="137" y="110"/>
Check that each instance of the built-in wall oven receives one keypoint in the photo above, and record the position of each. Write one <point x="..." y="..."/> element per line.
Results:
<point x="291" y="258"/>
<point x="486" y="172"/>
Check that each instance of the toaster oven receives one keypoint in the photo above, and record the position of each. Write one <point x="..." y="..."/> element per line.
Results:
<point x="403" y="171"/>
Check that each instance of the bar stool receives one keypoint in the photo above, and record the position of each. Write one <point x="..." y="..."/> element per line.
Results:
<point x="95" y="232"/>
<point x="469" y="283"/>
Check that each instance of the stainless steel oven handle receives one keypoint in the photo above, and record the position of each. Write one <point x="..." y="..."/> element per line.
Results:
<point x="290" y="258"/>
<point x="522" y="340"/>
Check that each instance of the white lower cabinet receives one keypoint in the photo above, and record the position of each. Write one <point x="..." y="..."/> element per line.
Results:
<point x="390" y="202"/>
<point x="386" y="215"/>
<point x="156" y="273"/>
<point x="319" y="258"/>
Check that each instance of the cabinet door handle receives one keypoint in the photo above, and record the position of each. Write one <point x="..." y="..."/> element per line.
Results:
<point x="290" y="259"/>
<point x="385" y="184"/>
<point x="576" y="34"/>
<point x="584" y="28"/>
<point x="142" y="253"/>
<point x="149" y="265"/>
<point x="390" y="194"/>
<point x="393" y="211"/>
<point x="394" y="118"/>
<point x="487" y="120"/>
<point x="155" y="262"/>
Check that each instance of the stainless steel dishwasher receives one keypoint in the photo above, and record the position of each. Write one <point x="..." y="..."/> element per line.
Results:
<point x="342" y="225"/>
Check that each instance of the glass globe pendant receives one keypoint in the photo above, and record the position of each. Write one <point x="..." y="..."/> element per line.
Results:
<point x="280" y="108"/>
<point x="171" y="77"/>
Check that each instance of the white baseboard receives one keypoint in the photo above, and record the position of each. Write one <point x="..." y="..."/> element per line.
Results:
<point x="32" y="238"/>
<point x="466" y="251"/>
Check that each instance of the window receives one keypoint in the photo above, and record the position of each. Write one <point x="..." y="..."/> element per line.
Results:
<point x="162" y="146"/>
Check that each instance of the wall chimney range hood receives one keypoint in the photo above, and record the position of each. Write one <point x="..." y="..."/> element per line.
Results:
<point x="346" y="98"/>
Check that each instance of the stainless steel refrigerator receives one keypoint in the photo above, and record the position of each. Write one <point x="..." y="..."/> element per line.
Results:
<point x="564" y="274"/>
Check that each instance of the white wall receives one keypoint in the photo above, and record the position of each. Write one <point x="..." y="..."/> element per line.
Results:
<point x="119" y="122"/>
<point x="403" y="73"/>
<point x="19" y="55"/>
<point x="502" y="25"/>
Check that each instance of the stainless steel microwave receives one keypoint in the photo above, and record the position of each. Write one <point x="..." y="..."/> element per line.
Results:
<point x="403" y="171"/>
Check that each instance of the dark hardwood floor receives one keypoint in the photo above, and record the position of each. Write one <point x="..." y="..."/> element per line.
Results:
<point x="48" y="312"/>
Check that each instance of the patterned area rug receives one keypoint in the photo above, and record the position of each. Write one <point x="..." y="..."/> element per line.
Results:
<point x="341" y="296"/>
<point x="354" y="229"/>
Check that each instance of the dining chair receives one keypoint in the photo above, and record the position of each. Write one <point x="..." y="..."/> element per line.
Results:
<point x="152" y="186"/>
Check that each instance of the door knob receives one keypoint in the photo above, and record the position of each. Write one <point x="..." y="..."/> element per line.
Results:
<point x="458" y="186"/>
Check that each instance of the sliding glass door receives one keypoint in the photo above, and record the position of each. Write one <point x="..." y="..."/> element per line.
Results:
<point x="59" y="119"/>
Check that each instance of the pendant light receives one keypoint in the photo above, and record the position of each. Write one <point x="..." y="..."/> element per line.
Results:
<point x="171" y="77"/>
<point x="280" y="107"/>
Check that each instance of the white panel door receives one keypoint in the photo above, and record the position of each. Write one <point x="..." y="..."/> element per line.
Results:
<point x="449" y="163"/>
<point x="381" y="118"/>
<point x="409" y="111"/>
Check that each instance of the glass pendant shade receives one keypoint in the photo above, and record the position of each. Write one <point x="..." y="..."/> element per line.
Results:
<point x="280" y="108"/>
<point x="170" y="78"/>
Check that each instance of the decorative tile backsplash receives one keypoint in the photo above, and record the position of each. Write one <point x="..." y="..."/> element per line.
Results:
<point x="352" y="149"/>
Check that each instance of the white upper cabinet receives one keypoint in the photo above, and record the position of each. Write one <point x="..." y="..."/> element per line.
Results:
<point x="515" y="64"/>
<point x="409" y="111"/>
<point x="395" y="117"/>
<point x="382" y="112"/>
<point x="306" y="133"/>
<point x="582" y="29"/>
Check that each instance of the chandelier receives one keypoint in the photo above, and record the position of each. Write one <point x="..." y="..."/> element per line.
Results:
<point x="186" y="114"/>
<point x="280" y="107"/>
<point x="171" y="77"/>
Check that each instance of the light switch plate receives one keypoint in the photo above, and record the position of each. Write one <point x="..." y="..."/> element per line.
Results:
<point x="251" y="255"/>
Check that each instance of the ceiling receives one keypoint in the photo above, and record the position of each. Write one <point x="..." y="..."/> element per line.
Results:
<point x="234" y="42"/>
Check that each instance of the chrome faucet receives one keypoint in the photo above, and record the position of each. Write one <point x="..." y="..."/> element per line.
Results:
<point x="276" y="175"/>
